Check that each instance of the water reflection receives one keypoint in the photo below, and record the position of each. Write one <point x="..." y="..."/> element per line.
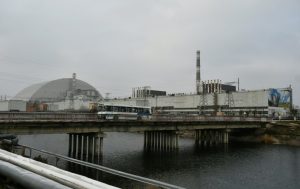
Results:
<point x="230" y="166"/>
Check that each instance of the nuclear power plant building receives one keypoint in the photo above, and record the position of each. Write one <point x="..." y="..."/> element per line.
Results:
<point x="57" y="95"/>
<point x="212" y="97"/>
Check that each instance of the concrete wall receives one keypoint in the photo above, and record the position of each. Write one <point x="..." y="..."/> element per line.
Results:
<point x="246" y="98"/>
<point x="241" y="99"/>
<point x="17" y="105"/>
<point x="4" y="105"/>
<point x="79" y="104"/>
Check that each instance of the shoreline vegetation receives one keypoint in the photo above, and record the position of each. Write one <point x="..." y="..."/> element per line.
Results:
<point x="279" y="132"/>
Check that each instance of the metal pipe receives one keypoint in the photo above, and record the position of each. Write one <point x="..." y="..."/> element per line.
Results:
<point x="111" y="171"/>
<point x="63" y="177"/>
<point x="26" y="178"/>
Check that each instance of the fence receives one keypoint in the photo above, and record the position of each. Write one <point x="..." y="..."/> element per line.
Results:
<point x="64" y="116"/>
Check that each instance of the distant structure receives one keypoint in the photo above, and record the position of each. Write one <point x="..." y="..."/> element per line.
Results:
<point x="214" y="98"/>
<point x="199" y="89"/>
<point x="142" y="92"/>
<point x="216" y="86"/>
<point x="60" y="94"/>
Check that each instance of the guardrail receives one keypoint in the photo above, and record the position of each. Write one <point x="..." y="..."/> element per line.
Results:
<point x="129" y="176"/>
<point x="207" y="118"/>
<point x="67" y="116"/>
<point x="48" y="116"/>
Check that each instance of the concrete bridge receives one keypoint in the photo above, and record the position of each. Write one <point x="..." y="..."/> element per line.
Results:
<point x="86" y="131"/>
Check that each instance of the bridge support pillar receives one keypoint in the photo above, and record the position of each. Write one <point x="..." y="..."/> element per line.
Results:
<point x="160" y="140"/>
<point x="74" y="145"/>
<point x="225" y="137"/>
<point x="79" y="146"/>
<point x="86" y="146"/>
<point x="206" y="137"/>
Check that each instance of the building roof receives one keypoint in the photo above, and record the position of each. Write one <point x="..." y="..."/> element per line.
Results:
<point x="57" y="90"/>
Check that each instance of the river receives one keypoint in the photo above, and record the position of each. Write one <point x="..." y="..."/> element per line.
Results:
<point x="234" y="166"/>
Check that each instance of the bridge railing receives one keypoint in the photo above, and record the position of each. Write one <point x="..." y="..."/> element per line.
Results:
<point x="149" y="183"/>
<point x="68" y="116"/>
<point x="206" y="118"/>
<point x="47" y="116"/>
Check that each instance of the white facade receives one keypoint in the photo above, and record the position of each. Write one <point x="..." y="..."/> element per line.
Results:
<point x="257" y="98"/>
<point x="4" y="105"/>
<point x="13" y="105"/>
<point x="79" y="105"/>
<point x="240" y="99"/>
<point x="250" y="102"/>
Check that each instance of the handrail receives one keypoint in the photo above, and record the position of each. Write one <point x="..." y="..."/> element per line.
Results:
<point x="108" y="170"/>
<point x="67" y="116"/>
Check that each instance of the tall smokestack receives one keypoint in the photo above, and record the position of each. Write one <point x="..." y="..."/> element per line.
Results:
<point x="198" y="76"/>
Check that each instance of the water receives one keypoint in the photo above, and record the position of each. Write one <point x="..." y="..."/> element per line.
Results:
<point x="235" y="166"/>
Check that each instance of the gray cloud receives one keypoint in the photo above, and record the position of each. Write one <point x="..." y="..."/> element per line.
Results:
<point x="116" y="45"/>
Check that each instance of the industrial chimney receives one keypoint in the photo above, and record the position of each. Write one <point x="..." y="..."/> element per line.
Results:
<point x="198" y="77"/>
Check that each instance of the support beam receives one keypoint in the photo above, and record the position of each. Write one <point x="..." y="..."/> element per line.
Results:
<point x="91" y="148"/>
<point x="79" y="146"/>
<point x="160" y="141"/>
<point x="211" y="137"/>
<point x="74" y="146"/>
<point x="85" y="147"/>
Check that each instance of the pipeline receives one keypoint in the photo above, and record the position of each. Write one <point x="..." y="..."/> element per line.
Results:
<point x="63" y="177"/>
<point x="26" y="178"/>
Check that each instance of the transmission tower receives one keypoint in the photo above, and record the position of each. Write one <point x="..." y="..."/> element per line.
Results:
<point x="203" y="102"/>
<point x="229" y="101"/>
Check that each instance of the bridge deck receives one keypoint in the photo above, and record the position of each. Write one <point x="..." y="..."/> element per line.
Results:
<point x="37" y="123"/>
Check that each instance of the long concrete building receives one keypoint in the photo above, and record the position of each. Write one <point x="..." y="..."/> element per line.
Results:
<point x="267" y="102"/>
<point x="212" y="97"/>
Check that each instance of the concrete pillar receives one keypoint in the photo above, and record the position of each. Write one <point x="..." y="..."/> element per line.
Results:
<point x="101" y="146"/>
<point x="85" y="147"/>
<point x="156" y="140"/>
<point x="91" y="148"/>
<point x="172" y="141"/>
<point x="225" y="137"/>
<point x="159" y="141"/>
<point x="200" y="137"/>
<point x="217" y="137"/>
<point x="148" y="139"/>
<point x="70" y="145"/>
<point x="74" y="146"/>
<point x="204" y="137"/>
<point x="168" y="141"/>
<point x="211" y="138"/>
<point x="152" y="140"/>
<point x="145" y="140"/>
<point x="97" y="145"/>
<point x="221" y="137"/>
<point x="177" y="138"/>
<point x="197" y="137"/>
<point x="163" y="141"/>
<point x="79" y="146"/>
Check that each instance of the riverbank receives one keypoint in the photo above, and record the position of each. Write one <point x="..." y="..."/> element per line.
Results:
<point x="279" y="132"/>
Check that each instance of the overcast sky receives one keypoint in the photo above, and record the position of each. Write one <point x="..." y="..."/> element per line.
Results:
<point x="119" y="44"/>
